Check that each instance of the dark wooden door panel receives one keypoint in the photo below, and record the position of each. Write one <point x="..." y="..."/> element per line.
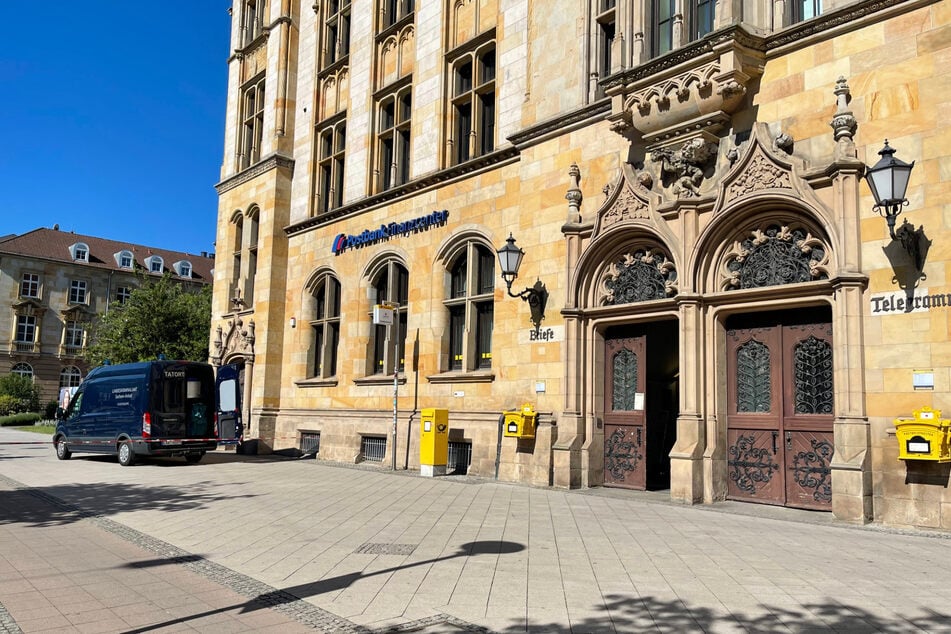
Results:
<point x="624" y="456"/>
<point x="808" y="472"/>
<point x="754" y="466"/>
<point x="625" y="436"/>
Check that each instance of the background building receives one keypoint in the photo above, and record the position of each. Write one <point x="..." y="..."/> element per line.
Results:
<point x="724" y="313"/>
<point x="56" y="282"/>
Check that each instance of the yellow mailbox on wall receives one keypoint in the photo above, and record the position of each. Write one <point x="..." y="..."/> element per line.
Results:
<point x="927" y="436"/>
<point x="433" y="441"/>
<point x="521" y="423"/>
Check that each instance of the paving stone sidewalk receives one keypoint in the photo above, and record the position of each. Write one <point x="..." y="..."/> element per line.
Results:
<point x="339" y="549"/>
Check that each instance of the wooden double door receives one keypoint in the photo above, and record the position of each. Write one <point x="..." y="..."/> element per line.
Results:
<point x="780" y="413"/>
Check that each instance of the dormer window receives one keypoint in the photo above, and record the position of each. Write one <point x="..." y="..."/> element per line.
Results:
<point x="183" y="268"/>
<point x="124" y="259"/>
<point x="79" y="252"/>
<point x="155" y="264"/>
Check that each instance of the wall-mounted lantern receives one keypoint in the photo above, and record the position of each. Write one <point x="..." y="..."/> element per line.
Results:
<point x="888" y="180"/>
<point x="510" y="258"/>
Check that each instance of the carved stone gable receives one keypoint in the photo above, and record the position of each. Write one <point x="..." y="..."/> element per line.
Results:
<point x="760" y="173"/>
<point x="628" y="199"/>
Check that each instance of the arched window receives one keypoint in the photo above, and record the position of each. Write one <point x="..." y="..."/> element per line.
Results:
<point x="471" y="303"/>
<point x="70" y="376"/>
<point x="23" y="369"/>
<point x="391" y="286"/>
<point x="325" y="322"/>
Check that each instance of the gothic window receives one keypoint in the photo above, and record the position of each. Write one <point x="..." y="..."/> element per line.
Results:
<point x="394" y="113"/>
<point x="236" y="251"/>
<point x="252" y="126"/>
<point x="606" y="21"/>
<point x="472" y="107"/>
<point x="252" y="24"/>
<point x="392" y="11"/>
<point x="390" y="285"/>
<point x="325" y="326"/>
<point x="331" y="147"/>
<point x="695" y="22"/>
<point x="471" y="305"/>
<point x="336" y="31"/>
<point x="805" y="9"/>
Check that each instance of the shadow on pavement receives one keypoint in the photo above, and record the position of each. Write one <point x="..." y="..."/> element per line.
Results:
<point x="648" y="613"/>
<point x="284" y="596"/>
<point x="20" y="506"/>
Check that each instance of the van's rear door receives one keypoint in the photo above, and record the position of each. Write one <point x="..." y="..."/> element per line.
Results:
<point x="228" y="390"/>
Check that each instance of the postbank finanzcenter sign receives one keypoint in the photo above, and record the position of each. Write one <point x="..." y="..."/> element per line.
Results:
<point x="369" y="236"/>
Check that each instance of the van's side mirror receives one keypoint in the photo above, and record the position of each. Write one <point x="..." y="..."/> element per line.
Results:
<point x="60" y="413"/>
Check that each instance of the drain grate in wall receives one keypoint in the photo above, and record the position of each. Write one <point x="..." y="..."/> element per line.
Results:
<point x="386" y="549"/>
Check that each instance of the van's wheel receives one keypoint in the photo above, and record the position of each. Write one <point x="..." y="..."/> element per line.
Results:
<point x="62" y="451"/>
<point x="126" y="455"/>
<point x="193" y="458"/>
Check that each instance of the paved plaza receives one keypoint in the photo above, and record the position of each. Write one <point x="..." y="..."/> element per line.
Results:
<point x="244" y="543"/>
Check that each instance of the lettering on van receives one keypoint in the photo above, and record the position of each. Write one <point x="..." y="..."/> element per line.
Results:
<point x="122" y="396"/>
<point x="174" y="374"/>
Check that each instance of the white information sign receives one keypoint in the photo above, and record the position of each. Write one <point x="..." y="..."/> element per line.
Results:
<point x="382" y="315"/>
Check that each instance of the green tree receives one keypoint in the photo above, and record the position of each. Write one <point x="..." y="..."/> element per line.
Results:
<point x="161" y="317"/>
<point x="22" y="395"/>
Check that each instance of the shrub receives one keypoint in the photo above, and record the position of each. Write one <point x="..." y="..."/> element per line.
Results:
<point x="24" y="418"/>
<point x="8" y="404"/>
<point x="49" y="413"/>
<point x="22" y="389"/>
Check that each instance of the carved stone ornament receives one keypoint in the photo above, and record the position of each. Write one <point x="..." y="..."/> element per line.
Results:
<point x="760" y="173"/>
<point x="627" y="206"/>
<point x="640" y="276"/>
<point x="237" y="341"/>
<point x="774" y="256"/>
<point x="695" y="89"/>
<point x="684" y="168"/>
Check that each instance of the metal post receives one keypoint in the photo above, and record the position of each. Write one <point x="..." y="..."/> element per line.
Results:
<point x="396" y="377"/>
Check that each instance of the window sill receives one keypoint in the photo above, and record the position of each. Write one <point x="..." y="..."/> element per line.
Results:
<point x="317" y="382"/>
<point x="379" y="379"/>
<point x="471" y="376"/>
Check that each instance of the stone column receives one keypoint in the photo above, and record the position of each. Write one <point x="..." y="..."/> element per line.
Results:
<point x="686" y="457"/>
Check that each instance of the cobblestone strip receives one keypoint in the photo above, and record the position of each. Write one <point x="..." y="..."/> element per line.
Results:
<point x="260" y="593"/>
<point x="7" y="624"/>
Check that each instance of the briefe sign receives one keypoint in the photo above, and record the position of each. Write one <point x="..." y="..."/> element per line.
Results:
<point x="385" y="232"/>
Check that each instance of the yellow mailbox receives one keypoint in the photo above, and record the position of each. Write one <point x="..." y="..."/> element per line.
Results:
<point x="927" y="436"/>
<point x="433" y="441"/>
<point x="520" y="424"/>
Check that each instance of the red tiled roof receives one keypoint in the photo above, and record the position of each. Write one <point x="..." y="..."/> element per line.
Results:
<point x="53" y="244"/>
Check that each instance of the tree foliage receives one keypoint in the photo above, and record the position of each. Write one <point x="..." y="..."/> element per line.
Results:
<point x="161" y="317"/>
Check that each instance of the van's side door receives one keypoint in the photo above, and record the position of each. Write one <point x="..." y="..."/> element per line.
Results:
<point x="228" y="401"/>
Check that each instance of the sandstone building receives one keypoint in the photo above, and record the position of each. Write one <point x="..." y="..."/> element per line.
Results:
<point x="718" y="310"/>
<point x="56" y="282"/>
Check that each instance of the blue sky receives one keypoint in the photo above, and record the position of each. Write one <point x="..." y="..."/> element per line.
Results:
<point x="112" y="119"/>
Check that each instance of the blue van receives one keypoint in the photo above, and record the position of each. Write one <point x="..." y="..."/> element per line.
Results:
<point x="152" y="408"/>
